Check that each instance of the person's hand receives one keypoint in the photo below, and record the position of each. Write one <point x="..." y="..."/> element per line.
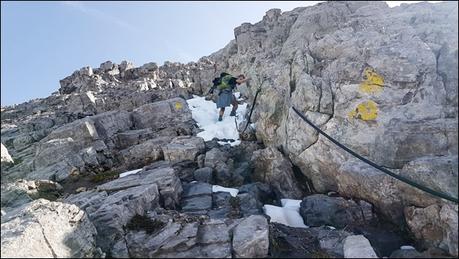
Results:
<point x="244" y="80"/>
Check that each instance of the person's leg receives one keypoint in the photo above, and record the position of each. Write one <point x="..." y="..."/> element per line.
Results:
<point x="235" y="105"/>
<point x="222" y="110"/>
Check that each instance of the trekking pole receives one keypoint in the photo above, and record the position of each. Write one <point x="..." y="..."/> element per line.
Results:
<point x="253" y="104"/>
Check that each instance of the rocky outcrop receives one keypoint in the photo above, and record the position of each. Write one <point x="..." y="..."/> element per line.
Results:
<point x="110" y="213"/>
<point x="319" y="209"/>
<point x="251" y="238"/>
<point x="357" y="246"/>
<point x="274" y="169"/>
<point x="116" y="89"/>
<point x="382" y="81"/>
<point x="169" y="185"/>
<point x="319" y="242"/>
<point x="23" y="191"/>
<point x="183" y="148"/>
<point x="372" y="77"/>
<point x="435" y="225"/>
<point x="48" y="229"/>
<point x="144" y="153"/>
<point x="203" y="174"/>
<point x="115" y="139"/>
<point x="181" y="236"/>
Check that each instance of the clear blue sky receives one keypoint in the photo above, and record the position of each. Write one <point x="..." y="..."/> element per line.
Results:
<point x="43" y="42"/>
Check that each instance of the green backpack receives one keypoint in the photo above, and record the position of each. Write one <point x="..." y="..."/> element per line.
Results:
<point x="224" y="84"/>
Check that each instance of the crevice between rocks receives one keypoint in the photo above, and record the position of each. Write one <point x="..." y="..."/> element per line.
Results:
<point x="292" y="81"/>
<point x="47" y="241"/>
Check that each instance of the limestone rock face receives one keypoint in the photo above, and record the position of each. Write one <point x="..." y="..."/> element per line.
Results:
<point x="251" y="238"/>
<point x="359" y="79"/>
<point x="203" y="174"/>
<point x="287" y="242"/>
<point x="110" y="213"/>
<point x="435" y="225"/>
<point x="375" y="78"/>
<point x="272" y="168"/>
<point x="382" y="81"/>
<point x="214" y="157"/>
<point x="319" y="209"/>
<point x="126" y="92"/>
<point x="357" y="246"/>
<point x="182" y="238"/>
<point x="48" y="229"/>
<point x="160" y="115"/>
<point x="169" y="185"/>
<point x="23" y="191"/>
<point x="119" y="139"/>
<point x="144" y="153"/>
<point x="183" y="148"/>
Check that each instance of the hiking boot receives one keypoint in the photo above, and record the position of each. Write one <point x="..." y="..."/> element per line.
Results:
<point x="220" y="118"/>
<point x="233" y="113"/>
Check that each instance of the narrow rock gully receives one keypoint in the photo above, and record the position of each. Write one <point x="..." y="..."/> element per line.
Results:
<point x="208" y="198"/>
<point x="228" y="206"/>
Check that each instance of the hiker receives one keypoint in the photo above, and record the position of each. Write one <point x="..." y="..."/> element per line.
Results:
<point x="225" y="84"/>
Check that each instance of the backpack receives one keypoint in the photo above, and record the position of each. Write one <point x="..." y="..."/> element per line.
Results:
<point x="224" y="81"/>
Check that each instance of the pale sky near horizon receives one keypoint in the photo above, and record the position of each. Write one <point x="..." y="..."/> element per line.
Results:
<point x="43" y="42"/>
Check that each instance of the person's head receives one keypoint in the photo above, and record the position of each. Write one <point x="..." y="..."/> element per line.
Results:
<point x="240" y="79"/>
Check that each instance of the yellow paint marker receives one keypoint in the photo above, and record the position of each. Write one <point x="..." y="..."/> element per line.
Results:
<point x="366" y="111"/>
<point x="373" y="82"/>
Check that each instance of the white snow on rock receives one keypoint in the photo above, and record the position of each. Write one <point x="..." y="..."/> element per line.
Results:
<point x="238" y="96"/>
<point x="6" y="157"/>
<point x="205" y="113"/>
<point x="291" y="203"/>
<point x="130" y="172"/>
<point x="407" y="248"/>
<point x="288" y="214"/>
<point x="91" y="96"/>
<point x="218" y="188"/>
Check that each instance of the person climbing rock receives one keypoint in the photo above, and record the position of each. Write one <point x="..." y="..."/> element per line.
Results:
<point x="225" y="84"/>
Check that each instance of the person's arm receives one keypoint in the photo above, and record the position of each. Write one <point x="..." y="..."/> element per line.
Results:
<point x="241" y="81"/>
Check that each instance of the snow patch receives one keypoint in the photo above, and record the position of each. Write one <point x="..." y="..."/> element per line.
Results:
<point x="91" y="97"/>
<point x="295" y="204"/>
<point x="288" y="214"/>
<point x="6" y="157"/>
<point x="235" y="143"/>
<point x="130" y="172"/>
<point x="218" y="188"/>
<point x="205" y="113"/>
<point x="407" y="248"/>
